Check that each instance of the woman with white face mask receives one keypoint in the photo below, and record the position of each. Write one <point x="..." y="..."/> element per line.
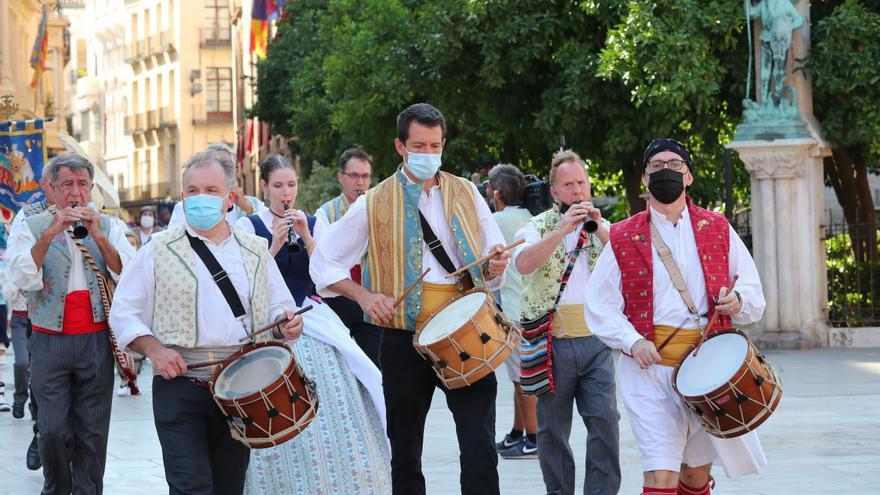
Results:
<point x="148" y="227"/>
<point x="321" y="459"/>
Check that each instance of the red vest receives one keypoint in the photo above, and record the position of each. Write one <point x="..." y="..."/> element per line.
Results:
<point x="631" y="244"/>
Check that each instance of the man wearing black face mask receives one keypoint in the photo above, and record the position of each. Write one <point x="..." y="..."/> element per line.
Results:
<point x="635" y="306"/>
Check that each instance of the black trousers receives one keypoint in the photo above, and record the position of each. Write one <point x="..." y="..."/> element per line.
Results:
<point x="367" y="335"/>
<point x="72" y="379"/>
<point x="199" y="453"/>
<point x="408" y="382"/>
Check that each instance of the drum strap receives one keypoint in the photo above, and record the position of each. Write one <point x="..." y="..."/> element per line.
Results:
<point x="221" y="278"/>
<point x="435" y="246"/>
<point x="675" y="275"/>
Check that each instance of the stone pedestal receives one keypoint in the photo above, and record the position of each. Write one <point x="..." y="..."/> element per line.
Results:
<point x="788" y="238"/>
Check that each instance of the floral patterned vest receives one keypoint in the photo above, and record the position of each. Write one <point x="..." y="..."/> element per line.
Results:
<point x="541" y="288"/>
<point x="175" y="306"/>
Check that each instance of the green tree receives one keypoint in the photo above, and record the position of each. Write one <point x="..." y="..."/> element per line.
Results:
<point x="845" y="65"/>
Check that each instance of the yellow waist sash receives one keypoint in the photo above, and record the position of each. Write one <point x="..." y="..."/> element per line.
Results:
<point x="680" y="343"/>
<point x="435" y="296"/>
<point x="568" y="322"/>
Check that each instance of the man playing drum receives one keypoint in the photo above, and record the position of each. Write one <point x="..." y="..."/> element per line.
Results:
<point x="173" y="308"/>
<point x="385" y="225"/>
<point x="635" y="306"/>
<point x="583" y="368"/>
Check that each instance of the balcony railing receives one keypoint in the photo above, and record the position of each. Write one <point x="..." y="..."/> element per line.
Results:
<point x="215" y="36"/>
<point x="152" y="119"/>
<point x="204" y="115"/>
<point x="141" y="48"/>
<point x="135" y="123"/>
<point x="167" y="117"/>
<point x="166" y="40"/>
<point x="155" y="47"/>
<point x="145" y="191"/>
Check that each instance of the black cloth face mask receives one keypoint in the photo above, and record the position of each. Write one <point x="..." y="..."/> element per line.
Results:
<point x="666" y="185"/>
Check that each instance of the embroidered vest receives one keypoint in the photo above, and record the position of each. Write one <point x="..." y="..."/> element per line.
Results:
<point x="394" y="257"/>
<point x="631" y="244"/>
<point x="541" y="287"/>
<point x="34" y="208"/>
<point x="335" y="208"/>
<point x="46" y="306"/>
<point x="175" y="301"/>
<point x="294" y="267"/>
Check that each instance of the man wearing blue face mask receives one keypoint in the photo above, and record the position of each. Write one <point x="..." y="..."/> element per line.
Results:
<point x="385" y="231"/>
<point x="192" y="294"/>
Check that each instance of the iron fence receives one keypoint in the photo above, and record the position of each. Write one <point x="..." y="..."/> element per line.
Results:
<point x="853" y="284"/>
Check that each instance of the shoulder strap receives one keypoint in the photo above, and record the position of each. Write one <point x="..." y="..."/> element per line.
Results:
<point x="435" y="246"/>
<point x="582" y="238"/>
<point x="221" y="278"/>
<point x="672" y="268"/>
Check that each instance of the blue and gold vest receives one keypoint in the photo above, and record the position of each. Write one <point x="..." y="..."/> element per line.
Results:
<point x="394" y="257"/>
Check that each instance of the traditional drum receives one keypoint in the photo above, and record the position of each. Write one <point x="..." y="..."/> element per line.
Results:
<point x="466" y="339"/>
<point x="264" y="394"/>
<point x="728" y="384"/>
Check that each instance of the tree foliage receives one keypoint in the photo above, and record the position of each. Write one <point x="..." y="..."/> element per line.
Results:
<point x="845" y="64"/>
<point x="512" y="75"/>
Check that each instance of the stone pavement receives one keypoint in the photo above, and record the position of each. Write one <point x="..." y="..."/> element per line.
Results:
<point x="824" y="438"/>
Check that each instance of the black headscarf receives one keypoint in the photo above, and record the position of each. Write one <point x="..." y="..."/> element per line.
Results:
<point x="666" y="144"/>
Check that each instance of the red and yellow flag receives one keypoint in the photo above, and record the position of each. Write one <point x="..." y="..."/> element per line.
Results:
<point x="38" y="54"/>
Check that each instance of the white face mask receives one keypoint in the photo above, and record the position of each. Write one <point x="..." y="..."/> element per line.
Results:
<point x="147" y="222"/>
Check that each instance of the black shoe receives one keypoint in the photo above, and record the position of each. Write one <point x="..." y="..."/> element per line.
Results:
<point x="33" y="456"/>
<point x="17" y="411"/>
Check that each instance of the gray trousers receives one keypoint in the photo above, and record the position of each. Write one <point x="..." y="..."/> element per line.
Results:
<point x="19" y="326"/>
<point x="72" y="380"/>
<point x="583" y="373"/>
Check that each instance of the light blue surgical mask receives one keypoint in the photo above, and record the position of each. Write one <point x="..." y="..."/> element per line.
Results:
<point x="423" y="165"/>
<point x="203" y="211"/>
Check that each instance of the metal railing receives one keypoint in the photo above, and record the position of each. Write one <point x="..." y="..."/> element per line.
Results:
<point x="215" y="36"/>
<point x="167" y="117"/>
<point x="202" y="115"/>
<point x="145" y="191"/>
<point x="853" y="284"/>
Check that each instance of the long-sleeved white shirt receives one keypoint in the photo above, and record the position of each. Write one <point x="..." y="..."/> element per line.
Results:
<point x="24" y="274"/>
<point x="604" y="313"/>
<point x="132" y="313"/>
<point x="574" y="292"/>
<point x="344" y="243"/>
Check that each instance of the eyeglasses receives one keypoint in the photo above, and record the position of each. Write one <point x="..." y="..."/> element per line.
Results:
<point x="674" y="164"/>
<point x="354" y="176"/>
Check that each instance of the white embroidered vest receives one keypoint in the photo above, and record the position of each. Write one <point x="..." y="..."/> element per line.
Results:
<point x="175" y="306"/>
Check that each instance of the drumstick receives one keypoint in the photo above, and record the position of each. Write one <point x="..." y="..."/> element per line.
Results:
<point x="270" y="326"/>
<point x="714" y="319"/>
<point x="275" y="324"/>
<point x="410" y="288"/>
<point x="484" y="259"/>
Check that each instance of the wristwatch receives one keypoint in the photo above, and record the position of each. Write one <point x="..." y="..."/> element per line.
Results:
<point x="740" y="299"/>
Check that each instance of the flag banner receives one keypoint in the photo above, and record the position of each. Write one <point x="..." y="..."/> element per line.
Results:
<point x="38" y="54"/>
<point x="22" y="155"/>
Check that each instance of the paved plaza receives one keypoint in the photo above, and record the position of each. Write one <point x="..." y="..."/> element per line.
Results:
<point x="824" y="438"/>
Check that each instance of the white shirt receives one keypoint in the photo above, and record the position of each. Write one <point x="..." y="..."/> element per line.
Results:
<point x="605" y="316"/>
<point x="24" y="274"/>
<point x="345" y="242"/>
<point x="145" y="237"/>
<point x="580" y="274"/>
<point x="132" y="313"/>
<point x="321" y="224"/>
<point x="232" y="216"/>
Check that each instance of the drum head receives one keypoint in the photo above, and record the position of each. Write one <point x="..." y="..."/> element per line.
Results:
<point x="452" y="317"/>
<point x="719" y="358"/>
<point x="252" y="372"/>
